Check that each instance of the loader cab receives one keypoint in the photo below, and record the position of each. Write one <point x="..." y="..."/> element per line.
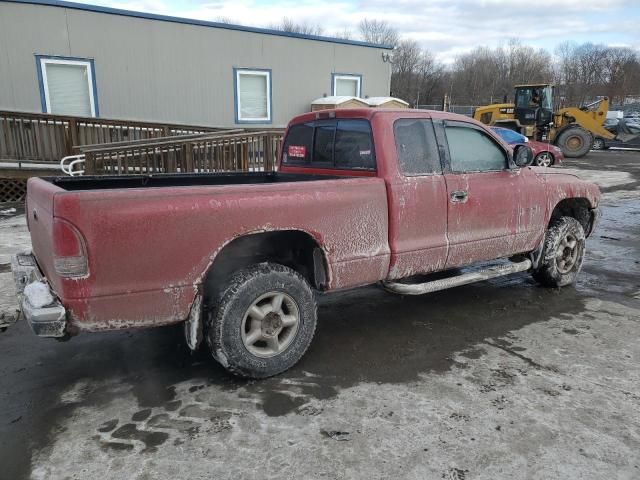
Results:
<point x="534" y="104"/>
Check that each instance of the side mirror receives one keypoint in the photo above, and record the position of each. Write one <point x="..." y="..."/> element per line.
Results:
<point x="522" y="155"/>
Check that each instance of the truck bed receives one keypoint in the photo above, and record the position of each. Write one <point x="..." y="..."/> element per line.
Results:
<point x="150" y="240"/>
<point x="180" y="180"/>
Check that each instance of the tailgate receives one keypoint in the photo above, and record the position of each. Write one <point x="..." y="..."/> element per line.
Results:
<point x="39" y="213"/>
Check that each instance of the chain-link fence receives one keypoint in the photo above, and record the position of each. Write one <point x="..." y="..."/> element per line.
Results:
<point x="628" y="109"/>
<point x="461" y="109"/>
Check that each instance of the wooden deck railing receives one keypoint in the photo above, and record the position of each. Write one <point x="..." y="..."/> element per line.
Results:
<point x="245" y="151"/>
<point x="42" y="138"/>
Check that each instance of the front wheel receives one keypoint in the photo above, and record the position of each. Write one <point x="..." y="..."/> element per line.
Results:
<point x="544" y="159"/>
<point x="563" y="253"/>
<point x="263" y="322"/>
<point x="574" y="142"/>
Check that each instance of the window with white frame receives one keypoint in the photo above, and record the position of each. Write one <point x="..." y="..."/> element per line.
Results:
<point x="253" y="96"/>
<point x="68" y="86"/>
<point x="347" y="85"/>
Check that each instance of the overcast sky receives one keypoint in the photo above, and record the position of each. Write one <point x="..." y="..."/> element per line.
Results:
<point x="446" y="27"/>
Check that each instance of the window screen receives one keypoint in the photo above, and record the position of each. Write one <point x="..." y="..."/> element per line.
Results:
<point x="473" y="151"/>
<point x="353" y="148"/>
<point x="253" y="96"/>
<point x="68" y="89"/>
<point x="416" y="147"/>
<point x="346" y="85"/>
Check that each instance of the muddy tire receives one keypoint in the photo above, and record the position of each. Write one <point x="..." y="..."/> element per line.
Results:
<point x="263" y="321"/>
<point x="563" y="253"/>
<point x="574" y="142"/>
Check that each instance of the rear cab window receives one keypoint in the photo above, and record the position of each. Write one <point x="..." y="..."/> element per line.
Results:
<point x="341" y="144"/>
<point x="297" y="147"/>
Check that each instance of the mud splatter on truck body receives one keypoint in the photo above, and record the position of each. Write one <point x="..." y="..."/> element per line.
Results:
<point x="149" y="243"/>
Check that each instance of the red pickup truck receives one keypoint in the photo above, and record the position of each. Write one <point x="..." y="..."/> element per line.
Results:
<point x="359" y="197"/>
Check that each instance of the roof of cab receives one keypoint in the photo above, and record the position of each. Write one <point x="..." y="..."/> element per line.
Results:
<point x="368" y="113"/>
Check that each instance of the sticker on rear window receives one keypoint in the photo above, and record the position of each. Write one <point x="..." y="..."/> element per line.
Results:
<point x="299" y="151"/>
<point x="365" y="152"/>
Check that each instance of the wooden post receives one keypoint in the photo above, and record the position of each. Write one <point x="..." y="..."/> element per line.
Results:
<point x="89" y="164"/>
<point x="268" y="153"/>
<point x="188" y="156"/>
<point x="73" y="130"/>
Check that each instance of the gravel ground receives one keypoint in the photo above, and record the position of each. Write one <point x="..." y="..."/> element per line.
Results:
<point x="501" y="379"/>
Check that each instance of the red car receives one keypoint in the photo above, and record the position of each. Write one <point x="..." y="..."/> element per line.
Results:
<point x="360" y="197"/>
<point x="544" y="154"/>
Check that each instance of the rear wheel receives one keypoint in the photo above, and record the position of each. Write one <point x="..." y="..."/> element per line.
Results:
<point x="263" y="321"/>
<point x="544" y="159"/>
<point x="563" y="253"/>
<point x="574" y="142"/>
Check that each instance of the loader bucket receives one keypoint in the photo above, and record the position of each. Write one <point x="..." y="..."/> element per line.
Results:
<point x="627" y="132"/>
<point x="627" y="137"/>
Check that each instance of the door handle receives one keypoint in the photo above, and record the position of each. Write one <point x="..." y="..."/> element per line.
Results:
<point x="459" y="196"/>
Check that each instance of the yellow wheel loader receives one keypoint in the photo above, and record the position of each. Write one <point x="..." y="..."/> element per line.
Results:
<point x="571" y="129"/>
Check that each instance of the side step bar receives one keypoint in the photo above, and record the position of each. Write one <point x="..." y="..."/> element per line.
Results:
<point x="463" y="279"/>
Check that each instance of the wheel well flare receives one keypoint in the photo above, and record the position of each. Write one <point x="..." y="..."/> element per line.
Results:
<point x="295" y="249"/>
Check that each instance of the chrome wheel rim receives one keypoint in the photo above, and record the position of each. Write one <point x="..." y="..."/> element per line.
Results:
<point x="567" y="253"/>
<point x="544" y="160"/>
<point x="270" y="324"/>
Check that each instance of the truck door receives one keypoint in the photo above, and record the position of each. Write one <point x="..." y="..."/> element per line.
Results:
<point x="481" y="195"/>
<point x="417" y="201"/>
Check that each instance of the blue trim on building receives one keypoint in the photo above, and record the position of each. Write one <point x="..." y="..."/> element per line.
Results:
<point x="201" y="23"/>
<point x="92" y="65"/>
<point x="236" y="113"/>
<point x="336" y="74"/>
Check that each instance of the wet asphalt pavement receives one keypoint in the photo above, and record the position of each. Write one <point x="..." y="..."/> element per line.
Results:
<point x="501" y="379"/>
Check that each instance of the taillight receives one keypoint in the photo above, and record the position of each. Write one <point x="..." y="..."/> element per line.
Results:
<point x="69" y="251"/>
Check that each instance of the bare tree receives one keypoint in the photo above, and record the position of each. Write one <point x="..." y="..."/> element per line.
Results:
<point x="378" y="32"/>
<point x="289" y="25"/>
<point x="415" y="75"/>
<point x="621" y="73"/>
<point x="587" y="71"/>
<point x="345" y="34"/>
<point x="487" y="75"/>
<point x="227" y="20"/>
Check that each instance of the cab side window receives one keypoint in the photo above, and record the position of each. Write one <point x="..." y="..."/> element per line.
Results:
<point x="472" y="150"/>
<point x="416" y="147"/>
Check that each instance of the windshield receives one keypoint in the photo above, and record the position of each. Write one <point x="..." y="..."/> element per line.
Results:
<point x="534" y="97"/>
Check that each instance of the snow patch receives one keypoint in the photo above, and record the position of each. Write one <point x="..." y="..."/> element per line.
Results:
<point x="602" y="178"/>
<point x="38" y="294"/>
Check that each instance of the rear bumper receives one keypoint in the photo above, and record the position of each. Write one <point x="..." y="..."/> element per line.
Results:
<point x="45" y="320"/>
